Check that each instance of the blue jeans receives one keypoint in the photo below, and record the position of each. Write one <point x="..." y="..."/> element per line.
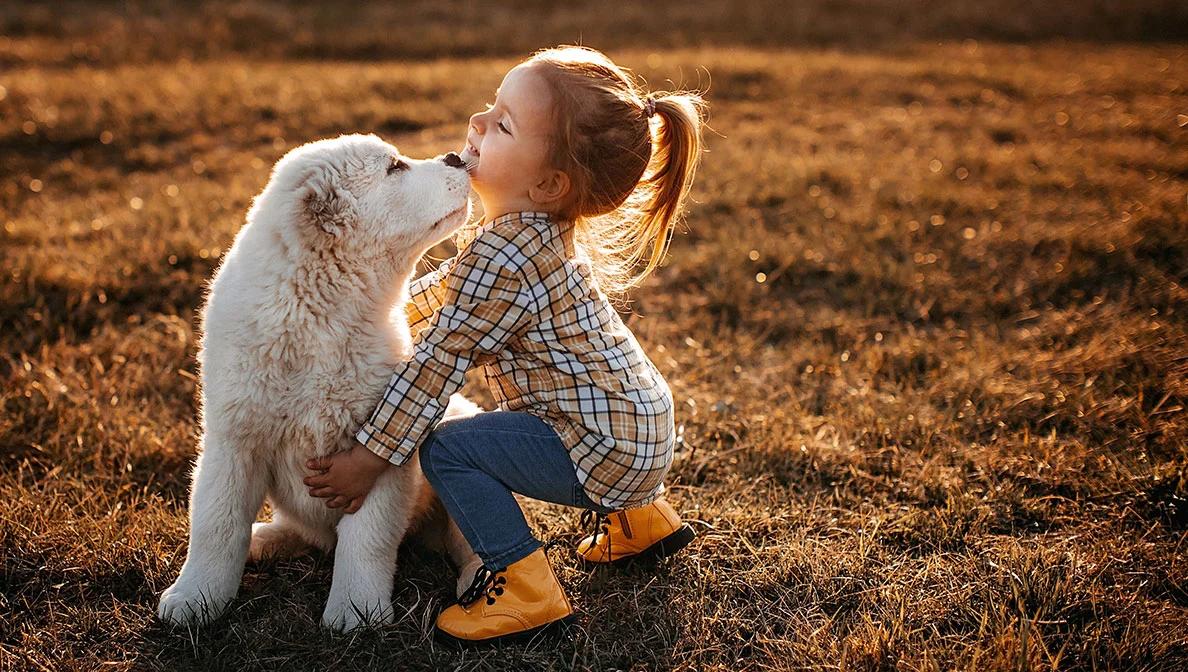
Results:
<point x="476" y="463"/>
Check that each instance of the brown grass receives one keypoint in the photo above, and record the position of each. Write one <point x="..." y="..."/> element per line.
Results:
<point x="945" y="427"/>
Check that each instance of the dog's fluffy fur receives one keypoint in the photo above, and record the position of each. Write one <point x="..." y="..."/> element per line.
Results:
<point x="302" y="326"/>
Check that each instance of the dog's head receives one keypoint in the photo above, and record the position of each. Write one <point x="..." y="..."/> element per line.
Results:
<point x="357" y="195"/>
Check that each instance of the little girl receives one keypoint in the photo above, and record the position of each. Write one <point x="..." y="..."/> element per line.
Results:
<point x="585" y="418"/>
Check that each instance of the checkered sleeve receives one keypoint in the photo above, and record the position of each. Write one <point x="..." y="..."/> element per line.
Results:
<point x="425" y="296"/>
<point x="486" y="304"/>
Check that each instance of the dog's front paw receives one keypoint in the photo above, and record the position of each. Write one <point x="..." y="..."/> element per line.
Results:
<point x="345" y="612"/>
<point x="182" y="604"/>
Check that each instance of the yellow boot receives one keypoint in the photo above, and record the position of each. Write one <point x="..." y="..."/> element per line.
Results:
<point x="508" y="605"/>
<point x="645" y="533"/>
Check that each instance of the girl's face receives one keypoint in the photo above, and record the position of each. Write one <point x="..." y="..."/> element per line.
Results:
<point x="506" y="145"/>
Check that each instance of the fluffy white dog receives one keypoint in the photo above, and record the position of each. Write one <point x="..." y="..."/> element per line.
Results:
<point x="302" y="327"/>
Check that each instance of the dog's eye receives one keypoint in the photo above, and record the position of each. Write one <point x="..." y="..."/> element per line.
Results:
<point x="397" y="164"/>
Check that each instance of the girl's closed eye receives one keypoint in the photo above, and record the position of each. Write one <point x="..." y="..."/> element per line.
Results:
<point x="500" y="124"/>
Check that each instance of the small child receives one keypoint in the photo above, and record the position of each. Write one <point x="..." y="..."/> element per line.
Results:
<point x="585" y="418"/>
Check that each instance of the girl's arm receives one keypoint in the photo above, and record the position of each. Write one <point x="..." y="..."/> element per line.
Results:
<point x="426" y="296"/>
<point x="485" y="304"/>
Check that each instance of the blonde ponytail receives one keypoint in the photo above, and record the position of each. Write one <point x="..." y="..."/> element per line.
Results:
<point x="676" y="156"/>
<point x="631" y="171"/>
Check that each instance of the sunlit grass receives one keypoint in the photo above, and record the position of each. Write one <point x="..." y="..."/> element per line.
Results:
<point x="925" y="329"/>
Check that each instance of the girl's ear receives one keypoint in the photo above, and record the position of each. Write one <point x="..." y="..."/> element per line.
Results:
<point x="553" y="187"/>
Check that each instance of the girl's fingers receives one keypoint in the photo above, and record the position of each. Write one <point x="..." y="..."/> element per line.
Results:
<point x="316" y="480"/>
<point x="354" y="505"/>
<point x="318" y="463"/>
<point x="322" y="492"/>
<point x="336" y="502"/>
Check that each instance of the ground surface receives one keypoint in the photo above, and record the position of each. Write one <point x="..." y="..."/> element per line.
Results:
<point x="926" y="329"/>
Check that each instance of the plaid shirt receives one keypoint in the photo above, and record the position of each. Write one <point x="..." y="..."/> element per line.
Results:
<point x="518" y="299"/>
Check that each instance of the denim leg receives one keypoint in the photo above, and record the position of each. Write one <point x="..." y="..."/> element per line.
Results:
<point x="476" y="463"/>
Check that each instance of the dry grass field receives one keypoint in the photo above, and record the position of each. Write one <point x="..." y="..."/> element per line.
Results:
<point x="926" y="326"/>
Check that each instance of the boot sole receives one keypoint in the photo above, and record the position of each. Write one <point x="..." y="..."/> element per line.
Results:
<point x="559" y="628"/>
<point x="661" y="549"/>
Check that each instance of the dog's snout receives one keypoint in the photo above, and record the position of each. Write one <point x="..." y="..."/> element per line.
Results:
<point x="453" y="160"/>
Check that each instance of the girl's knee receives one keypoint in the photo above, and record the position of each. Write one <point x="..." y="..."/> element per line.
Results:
<point x="434" y="452"/>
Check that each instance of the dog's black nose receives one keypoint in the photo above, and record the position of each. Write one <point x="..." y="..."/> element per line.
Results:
<point x="454" y="161"/>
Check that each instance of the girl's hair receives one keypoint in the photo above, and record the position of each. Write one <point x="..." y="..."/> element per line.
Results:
<point x="604" y="141"/>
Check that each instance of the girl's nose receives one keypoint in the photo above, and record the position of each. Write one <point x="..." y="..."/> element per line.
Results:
<point x="453" y="160"/>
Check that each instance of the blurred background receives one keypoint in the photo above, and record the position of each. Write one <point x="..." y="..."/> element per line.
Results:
<point x="72" y="32"/>
<point x="925" y="324"/>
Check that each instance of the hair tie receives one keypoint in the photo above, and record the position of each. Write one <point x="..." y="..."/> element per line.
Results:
<point x="649" y="106"/>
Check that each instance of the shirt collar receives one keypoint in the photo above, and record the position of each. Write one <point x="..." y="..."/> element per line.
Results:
<point x="544" y="222"/>
<point x="526" y="216"/>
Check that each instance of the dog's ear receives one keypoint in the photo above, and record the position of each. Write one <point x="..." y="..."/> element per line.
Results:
<point x="326" y="204"/>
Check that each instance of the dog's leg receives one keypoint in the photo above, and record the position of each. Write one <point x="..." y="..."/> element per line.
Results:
<point x="439" y="533"/>
<point x="365" y="556"/>
<point x="226" y="495"/>
<point x="463" y="557"/>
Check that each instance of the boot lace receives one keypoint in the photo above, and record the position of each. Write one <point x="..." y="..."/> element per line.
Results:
<point x="487" y="584"/>
<point x="600" y="522"/>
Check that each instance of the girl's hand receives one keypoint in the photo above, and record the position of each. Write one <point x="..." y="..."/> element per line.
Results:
<point x="344" y="479"/>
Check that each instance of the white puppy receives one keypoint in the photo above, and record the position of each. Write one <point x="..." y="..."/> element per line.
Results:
<point x="302" y="327"/>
